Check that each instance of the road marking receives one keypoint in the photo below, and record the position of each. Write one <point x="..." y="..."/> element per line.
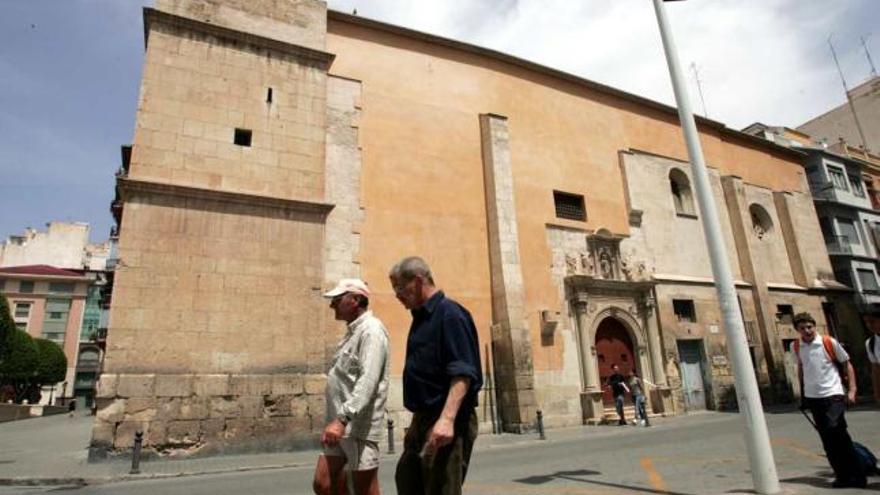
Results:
<point x="495" y="488"/>
<point x="654" y="477"/>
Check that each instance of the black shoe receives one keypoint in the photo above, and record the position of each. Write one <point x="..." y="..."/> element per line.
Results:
<point x="621" y="423"/>
<point x="849" y="483"/>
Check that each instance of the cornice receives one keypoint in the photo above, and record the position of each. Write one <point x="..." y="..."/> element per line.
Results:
<point x="155" y="17"/>
<point x="129" y="186"/>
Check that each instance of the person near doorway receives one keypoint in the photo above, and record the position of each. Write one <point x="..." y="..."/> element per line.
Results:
<point x="823" y="365"/>
<point x="441" y="379"/>
<point x="617" y="382"/>
<point x="637" y="390"/>
<point x="872" y="321"/>
<point x="357" y="389"/>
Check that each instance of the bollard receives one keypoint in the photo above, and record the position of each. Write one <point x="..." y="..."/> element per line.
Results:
<point x="136" y="453"/>
<point x="390" y="436"/>
<point x="540" y="421"/>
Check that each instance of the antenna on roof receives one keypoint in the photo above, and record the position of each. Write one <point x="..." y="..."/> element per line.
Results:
<point x="699" y="87"/>
<point x="849" y="100"/>
<point x="868" y="54"/>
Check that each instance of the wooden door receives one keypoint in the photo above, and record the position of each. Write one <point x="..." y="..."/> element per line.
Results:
<point x="691" y="361"/>
<point x="613" y="346"/>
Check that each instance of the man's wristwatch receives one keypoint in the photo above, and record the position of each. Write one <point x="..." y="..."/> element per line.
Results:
<point x="343" y="418"/>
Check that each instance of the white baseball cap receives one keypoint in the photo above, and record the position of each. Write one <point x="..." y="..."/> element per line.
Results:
<point x="353" y="285"/>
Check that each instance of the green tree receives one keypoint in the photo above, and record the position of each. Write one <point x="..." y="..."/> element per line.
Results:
<point x="19" y="370"/>
<point x="52" y="363"/>
<point x="7" y="326"/>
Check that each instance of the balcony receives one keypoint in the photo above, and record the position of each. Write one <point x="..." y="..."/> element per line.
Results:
<point x="838" y="244"/>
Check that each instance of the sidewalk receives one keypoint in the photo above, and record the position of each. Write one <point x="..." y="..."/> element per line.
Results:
<point x="53" y="451"/>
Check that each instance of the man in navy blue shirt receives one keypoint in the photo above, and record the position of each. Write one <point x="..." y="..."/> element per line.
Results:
<point x="441" y="380"/>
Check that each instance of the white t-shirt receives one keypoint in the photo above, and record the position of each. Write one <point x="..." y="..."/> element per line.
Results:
<point x="873" y="354"/>
<point x="821" y="378"/>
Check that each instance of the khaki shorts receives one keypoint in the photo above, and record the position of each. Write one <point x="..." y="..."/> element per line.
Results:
<point x="359" y="455"/>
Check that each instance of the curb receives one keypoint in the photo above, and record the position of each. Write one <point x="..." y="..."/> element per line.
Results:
<point x="99" y="480"/>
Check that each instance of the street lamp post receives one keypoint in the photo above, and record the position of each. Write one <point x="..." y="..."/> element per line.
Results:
<point x="760" y="454"/>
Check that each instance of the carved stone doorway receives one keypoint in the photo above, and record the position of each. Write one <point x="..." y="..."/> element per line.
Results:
<point x="613" y="346"/>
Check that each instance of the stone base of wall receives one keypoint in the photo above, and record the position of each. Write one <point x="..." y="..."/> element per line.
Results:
<point x="185" y="415"/>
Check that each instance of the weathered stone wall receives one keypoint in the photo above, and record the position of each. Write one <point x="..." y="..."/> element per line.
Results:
<point x="188" y="414"/>
<point x="217" y="338"/>
<point x="222" y="291"/>
<point x="510" y="333"/>
<point x="670" y="243"/>
<point x="709" y="329"/>
<point x="200" y="85"/>
<point x="299" y="22"/>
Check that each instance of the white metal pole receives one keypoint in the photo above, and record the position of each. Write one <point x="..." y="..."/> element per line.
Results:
<point x="757" y="438"/>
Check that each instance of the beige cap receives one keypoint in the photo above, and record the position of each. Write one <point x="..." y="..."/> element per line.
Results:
<point x="353" y="285"/>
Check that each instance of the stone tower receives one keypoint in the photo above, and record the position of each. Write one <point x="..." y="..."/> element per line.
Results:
<point x="217" y="340"/>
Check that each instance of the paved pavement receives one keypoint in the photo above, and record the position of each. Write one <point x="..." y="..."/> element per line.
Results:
<point x="683" y="455"/>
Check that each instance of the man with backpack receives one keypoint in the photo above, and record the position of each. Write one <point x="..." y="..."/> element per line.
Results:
<point x="871" y="317"/>
<point x="824" y="370"/>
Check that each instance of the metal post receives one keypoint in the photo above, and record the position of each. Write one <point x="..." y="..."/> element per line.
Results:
<point x="136" y="453"/>
<point x="757" y="438"/>
<point x="390" y="436"/>
<point x="540" y="425"/>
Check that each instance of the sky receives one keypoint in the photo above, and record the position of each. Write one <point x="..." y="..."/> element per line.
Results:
<point x="70" y="73"/>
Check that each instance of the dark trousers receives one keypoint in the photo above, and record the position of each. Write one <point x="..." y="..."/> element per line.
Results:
<point x="828" y="413"/>
<point x="444" y="472"/>
<point x="618" y="404"/>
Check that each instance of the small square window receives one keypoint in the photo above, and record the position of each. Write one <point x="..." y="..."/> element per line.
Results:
<point x="26" y="287"/>
<point x="22" y="310"/>
<point x="569" y="206"/>
<point x="243" y="137"/>
<point x="684" y="310"/>
<point x="785" y="313"/>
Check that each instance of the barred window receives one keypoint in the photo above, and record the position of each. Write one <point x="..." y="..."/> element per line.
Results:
<point x="569" y="206"/>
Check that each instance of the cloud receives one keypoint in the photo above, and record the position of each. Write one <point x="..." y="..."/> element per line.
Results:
<point x="764" y="60"/>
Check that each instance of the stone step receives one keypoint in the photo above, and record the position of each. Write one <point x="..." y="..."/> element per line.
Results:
<point x="629" y="412"/>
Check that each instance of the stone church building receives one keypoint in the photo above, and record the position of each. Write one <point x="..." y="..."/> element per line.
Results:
<point x="280" y="146"/>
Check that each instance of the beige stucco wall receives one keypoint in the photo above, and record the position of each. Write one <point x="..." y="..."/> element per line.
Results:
<point x="423" y="130"/>
<point x="62" y="245"/>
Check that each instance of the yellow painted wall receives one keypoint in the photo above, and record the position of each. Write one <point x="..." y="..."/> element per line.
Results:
<point x="422" y="169"/>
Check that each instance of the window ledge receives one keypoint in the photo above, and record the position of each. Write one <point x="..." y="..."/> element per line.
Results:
<point x="686" y="215"/>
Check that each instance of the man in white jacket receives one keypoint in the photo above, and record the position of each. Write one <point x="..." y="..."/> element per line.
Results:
<point x="357" y="388"/>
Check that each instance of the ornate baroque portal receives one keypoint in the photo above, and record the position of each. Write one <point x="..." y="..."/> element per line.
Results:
<point x="600" y="285"/>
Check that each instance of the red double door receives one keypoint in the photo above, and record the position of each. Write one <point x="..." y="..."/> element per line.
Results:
<point x="613" y="346"/>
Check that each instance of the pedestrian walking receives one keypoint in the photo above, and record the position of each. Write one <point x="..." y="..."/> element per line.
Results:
<point x="823" y="366"/>
<point x="617" y="382"/>
<point x="357" y="388"/>
<point x="441" y="379"/>
<point x="872" y="321"/>
<point x="636" y="388"/>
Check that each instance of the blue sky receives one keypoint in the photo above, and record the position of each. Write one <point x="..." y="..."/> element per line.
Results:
<point x="70" y="71"/>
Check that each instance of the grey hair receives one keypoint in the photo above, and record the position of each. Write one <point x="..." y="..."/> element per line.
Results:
<point x="410" y="268"/>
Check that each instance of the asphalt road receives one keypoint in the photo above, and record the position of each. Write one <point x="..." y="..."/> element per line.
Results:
<point x="699" y="454"/>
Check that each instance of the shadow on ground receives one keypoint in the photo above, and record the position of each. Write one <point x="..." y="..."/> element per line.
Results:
<point x="577" y="476"/>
